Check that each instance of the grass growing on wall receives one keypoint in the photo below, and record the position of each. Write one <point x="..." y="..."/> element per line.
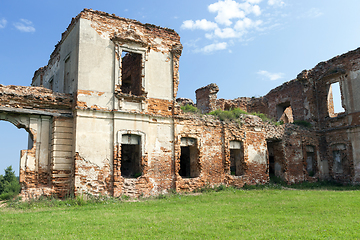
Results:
<point x="235" y="113"/>
<point x="231" y="114"/>
<point x="189" y="108"/>
<point x="302" y="123"/>
<point x="226" y="214"/>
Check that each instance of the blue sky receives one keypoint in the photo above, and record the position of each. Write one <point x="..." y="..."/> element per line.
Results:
<point x="247" y="47"/>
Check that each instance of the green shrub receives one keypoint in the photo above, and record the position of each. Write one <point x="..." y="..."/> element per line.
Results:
<point x="80" y="200"/>
<point x="223" y="115"/>
<point x="136" y="175"/>
<point x="230" y="115"/>
<point x="125" y="197"/>
<point x="263" y="117"/>
<point x="221" y="187"/>
<point x="161" y="196"/>
<point x="237" y="112"/>
<point x="302" y="123"/>
<point x="9" y="184"/>
<point x="279" y="123"/>
<point x="190" y="108"/>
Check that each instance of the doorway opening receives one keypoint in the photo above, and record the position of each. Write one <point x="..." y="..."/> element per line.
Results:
<point x="311" y="160"/>
<point x="236" y="158"/>
<point x="276" y="160"/>
<point x="189" y="158"/>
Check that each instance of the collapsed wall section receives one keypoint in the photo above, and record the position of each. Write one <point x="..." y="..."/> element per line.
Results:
<point x="34" y="109"/>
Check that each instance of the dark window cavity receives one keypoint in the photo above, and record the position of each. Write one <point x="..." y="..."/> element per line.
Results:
<point x="189" y="158"/>
<point x="131" y="156"/>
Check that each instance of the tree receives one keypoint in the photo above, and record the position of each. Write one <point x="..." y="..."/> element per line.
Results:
<point x="9" y="174"/>
<point x="9" y="184"/>
<point x="2" y="181"/>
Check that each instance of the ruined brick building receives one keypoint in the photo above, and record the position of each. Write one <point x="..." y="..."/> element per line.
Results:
<point x="103" y="118"/>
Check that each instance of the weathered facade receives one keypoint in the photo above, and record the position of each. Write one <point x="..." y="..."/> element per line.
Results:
<point x="103" y="119"/>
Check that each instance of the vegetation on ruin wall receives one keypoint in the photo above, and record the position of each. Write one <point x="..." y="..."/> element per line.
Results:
<point x="190" y="108"/>
<point x="235" y="113"/>
<point x="302" y="123"/>
<point x="9" y="184"/>
<point x="223" y="115"/>
<point x="239" y="214"/>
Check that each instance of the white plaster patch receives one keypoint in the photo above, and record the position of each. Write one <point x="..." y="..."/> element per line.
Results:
<point x="256" y="156"/>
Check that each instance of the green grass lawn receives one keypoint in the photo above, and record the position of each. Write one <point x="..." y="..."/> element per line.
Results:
<point x="228" y="214"/>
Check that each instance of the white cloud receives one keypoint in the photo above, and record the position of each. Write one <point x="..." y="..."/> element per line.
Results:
<point x="276" y="3"/>
<point x="226" y="33"/>
<point x="271" y="76"/>
<point x="233" y="20"/>
<point x="246" y="23"/>
<point x="254" y="1"/>
<point x="3" y="23"/>
<point x="249" y="8"/>
<point x="24" y="25"/>
<point x="256" y="10"/>
<point x="202" y="24"/>
<point x="214" y="47"/>
<point x="313" y="13"/>
<point x="192" y="43"/>
<point x="226" y="10"/>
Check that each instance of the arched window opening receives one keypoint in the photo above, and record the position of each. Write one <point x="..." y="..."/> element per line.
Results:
<point x="334" y="101"/>
<point x="284" y="112"/>
<point x="12" y="141"/>
<point x="131" y="156"/>
<point x="189" y="158"/>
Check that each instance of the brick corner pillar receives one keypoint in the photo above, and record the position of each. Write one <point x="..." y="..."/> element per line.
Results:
<point x="206" y="98"/>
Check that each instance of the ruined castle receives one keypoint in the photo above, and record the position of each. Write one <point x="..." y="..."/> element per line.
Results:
<point x="103" y="118"/>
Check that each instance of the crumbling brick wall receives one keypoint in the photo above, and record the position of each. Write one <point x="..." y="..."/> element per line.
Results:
<point x="34" y="98"/>
<point x="245" y="103"/>
<point x="206" y="98"/>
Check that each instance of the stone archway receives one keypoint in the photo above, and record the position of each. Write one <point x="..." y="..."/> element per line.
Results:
<point x="12" y="141"/>
<point x="34" y="167"/>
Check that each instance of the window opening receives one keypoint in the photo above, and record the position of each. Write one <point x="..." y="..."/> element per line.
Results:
<point x="284" y="112"/>
<point x="228" y="107"/>
<point x="334" y="100"/>
<point x="51" y="83"/>
<point x="236" y="159"/>
<point x="310" y="160"/>
<point x="339" y="158"/>
<point x="189" y="159"/>
<point x="67" y="75"/>
<point x="131" y="156"/>
<point x="131" y="77"/>
<point x="337" y="166"/>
